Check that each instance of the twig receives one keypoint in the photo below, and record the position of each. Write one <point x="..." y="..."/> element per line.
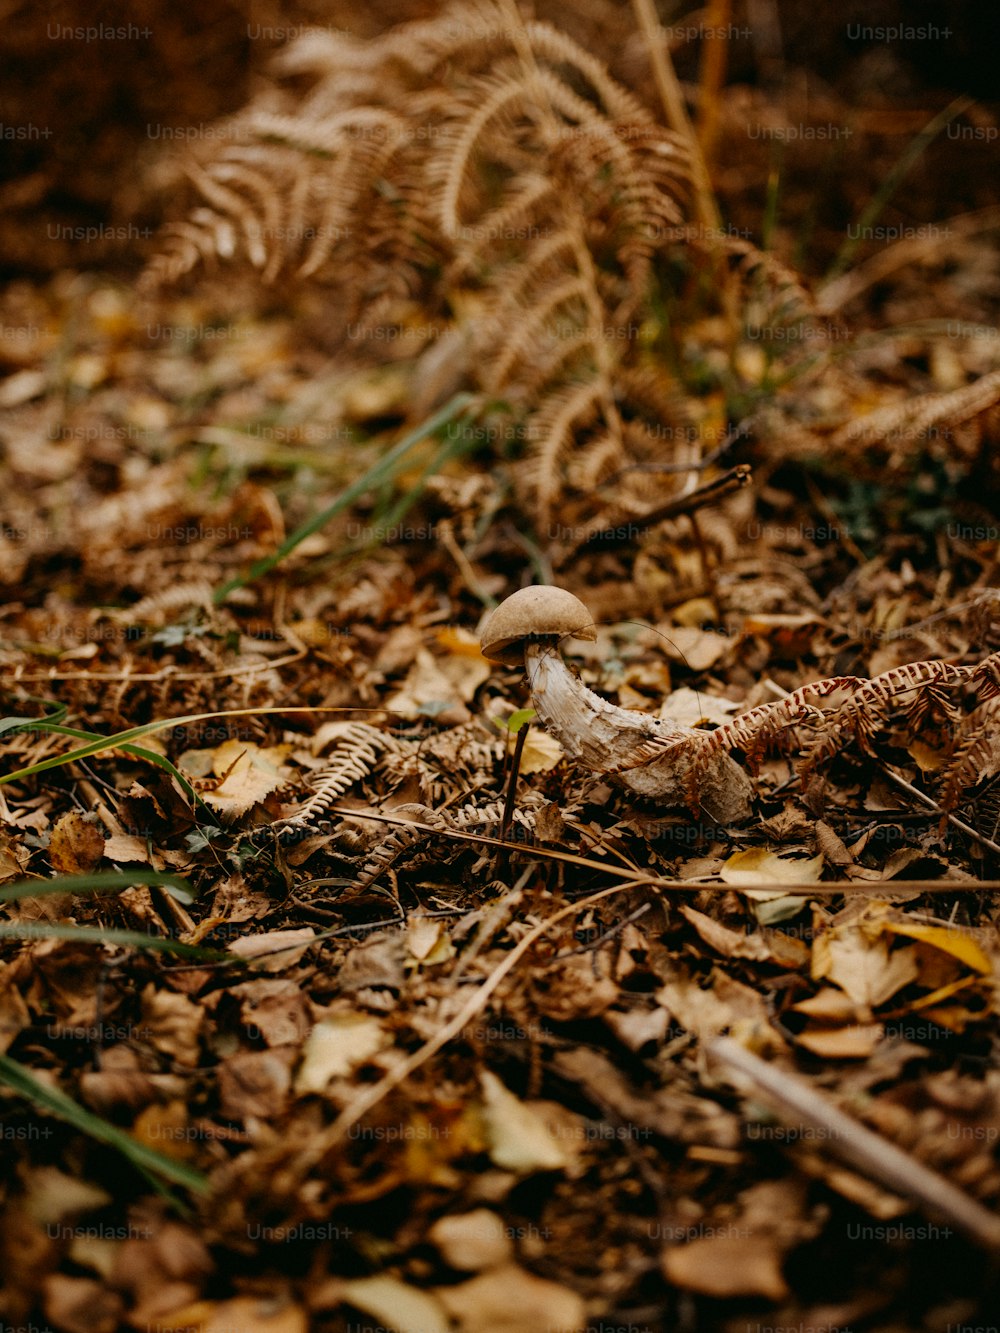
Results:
<point x="676" y="112"/>
<point x="508" y="804"/>
<point x="854" y="888"/>
<point x="872" y="1154"/>
<point x="931" y="804"/>
<point x="733" y="480"/>
<point x="371" y="1096"/>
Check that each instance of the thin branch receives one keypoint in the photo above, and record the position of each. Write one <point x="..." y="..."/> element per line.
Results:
<point x="371" y="1096"/>
<point x="733" y="480"/>
<point x="857" y="1145"/>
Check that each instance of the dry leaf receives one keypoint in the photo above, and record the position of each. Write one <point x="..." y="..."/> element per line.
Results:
<point x="173" y="1024"/>
<point x="728" y="1265"/>
<point x="396" y="1305"/>
<point x="861" y="966"/>
<point x="519" y="1140"/>
<point x="850" y="1043"/>
<point x="511" y="1300"/>
<point x="760" y="867"/>
<point x="275" y="950"/>
<point x="541" y="752"/>
<point x="784" y="950"/>
<point x="945" y="938"/>
<point x="248" y="774"/>
<point x="472" y="1241"/>
<point x="338" y="1043"/>
<point x="76" y="845"/>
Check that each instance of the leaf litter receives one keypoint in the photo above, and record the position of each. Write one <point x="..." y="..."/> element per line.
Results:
<point x="570" y="1154"/>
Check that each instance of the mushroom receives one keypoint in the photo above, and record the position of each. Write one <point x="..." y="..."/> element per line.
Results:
<point x="649" y="756"/>
<point x="534" y="614"/>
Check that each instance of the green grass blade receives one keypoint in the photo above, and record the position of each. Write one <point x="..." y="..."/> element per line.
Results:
<point x="100" y="881"/>
<point x="379" y="472"/>
<point x="119" y="739"/>
<point x="9" y="725"/>
<point x="150" y="756"/>
<point x="53" y="930"/>
<point x="25" y="1084"/>
<point x="888" y="187"/>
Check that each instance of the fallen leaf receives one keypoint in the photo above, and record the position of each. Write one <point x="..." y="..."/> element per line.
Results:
<point x="76" y="845"/>
<point x="862" y="967"/>
<point x="255" y="1084"/>
<point x="173" y="1024"/>
<point x="275" y="950"/>
<point x="519" y="1139"/>
<point x="849" y="1043"/>
<point x="781" y="949"/>
<point x="247" y="774"/>
<point x="443" y="681"/>
<point x="472" y="1241"/>
<point x="337" y="1044"/>
<point x="428" y="940"/>
<point x="541" y="752"/>
<point x="723" y="1266"/>
<point x="81" y="1305"/>
<point x="758" y="867"/>
<point x="396" y="1305"/>
<point x="946" y="938"/>
<point x="698" y="649"/>
<point x="509" y="1299"/>
<point x="690" y="707"/>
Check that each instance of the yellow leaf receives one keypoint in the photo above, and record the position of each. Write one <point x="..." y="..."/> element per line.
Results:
<point x="248" y="773"/>
<point x="759" y="866"/>
<point x="851" y="1043"/>
<point x="956" y="942"/>
<point x="541" y="752"/>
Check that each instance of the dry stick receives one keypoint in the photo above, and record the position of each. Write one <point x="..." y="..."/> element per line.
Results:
<point x="733" y="480"/>
<point x="860" y="1147"/>
<point x="515" y="766"/>
<point x="638" y="879"/>
<point x="936" y="807"/>
<point x="713" y="72"/>
<point x="165" y="673"/>
<point x="371" y="1096"/>
<point x="676" y="112"/>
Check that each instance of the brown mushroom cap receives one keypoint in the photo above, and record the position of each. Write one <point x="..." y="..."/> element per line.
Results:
<point x="532" y="613"/>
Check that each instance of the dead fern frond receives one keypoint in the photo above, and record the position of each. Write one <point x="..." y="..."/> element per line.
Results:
<point x="866" y="713"/>
<point x="358" y="751"/>
<point x="976" y="755"/>
<point x="462" y="150"/>
<point x="470" y="817"/>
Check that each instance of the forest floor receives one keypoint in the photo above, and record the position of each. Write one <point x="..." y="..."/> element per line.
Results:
<point x="357" y="1079"/>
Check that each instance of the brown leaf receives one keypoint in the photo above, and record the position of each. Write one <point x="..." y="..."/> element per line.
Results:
<point x="80" y="1305"/>
<point x="274" y="1010"/>
<point x="247" y="774"/>
<point x="472" y="1241"/>
<point x="174" y="1023"/>
<point x="723" y="1266"/>
<point x="782" y="949"/>
<point x="256" y="1083"/>
<point x="569" y="990"/>
<point x="511" y="1300"/>
<point x="76" y="845"/>
<point x="861" y="965"/>
<point x="849" y="1043"/>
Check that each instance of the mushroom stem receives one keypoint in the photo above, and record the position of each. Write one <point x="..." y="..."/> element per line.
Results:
<point x="622" y="744"/>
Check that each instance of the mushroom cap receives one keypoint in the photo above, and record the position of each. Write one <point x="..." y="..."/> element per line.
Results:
<point x="540" y="611"/>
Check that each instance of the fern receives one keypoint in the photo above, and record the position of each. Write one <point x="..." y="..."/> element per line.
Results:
<point x="475" y="165"/>
<point x="358" y="751"/>
<point x="902" y="703"/>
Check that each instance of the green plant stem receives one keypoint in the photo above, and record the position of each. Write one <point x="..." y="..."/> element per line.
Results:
<point x="381" y="471"/>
